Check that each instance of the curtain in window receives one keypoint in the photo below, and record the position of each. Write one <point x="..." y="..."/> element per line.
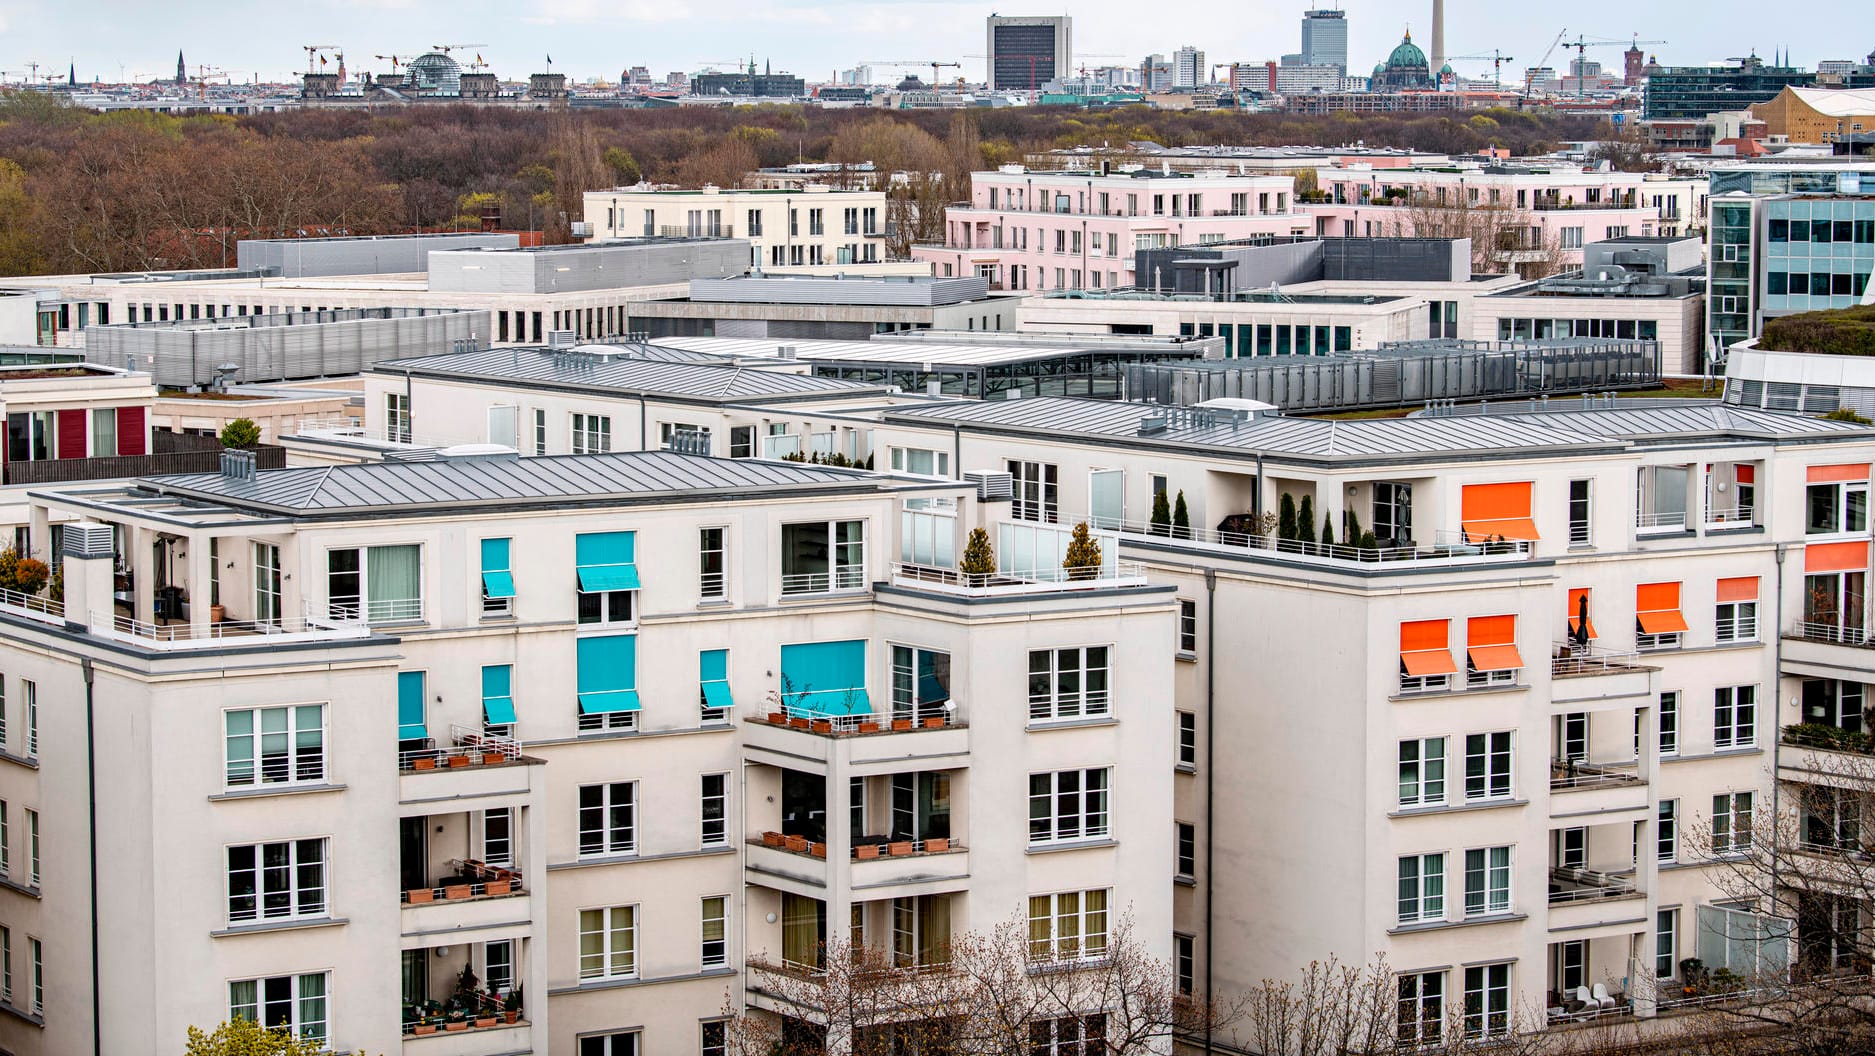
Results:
<point x="393" y="577"/>
<point x="803" y="921"/>
<point x="312" y="1005"/>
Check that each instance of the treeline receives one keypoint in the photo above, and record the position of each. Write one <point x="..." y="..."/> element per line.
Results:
<point x="83" y="192"/>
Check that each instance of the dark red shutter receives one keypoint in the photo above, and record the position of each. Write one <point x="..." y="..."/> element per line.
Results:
<point x="72" y="434"/>
<point x="130" y="431"/>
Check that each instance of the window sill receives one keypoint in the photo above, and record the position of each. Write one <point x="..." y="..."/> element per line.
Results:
<point x="825" y="595"/>
<point x="587" y="985"/>
<point x="1185" y="768"/>
<point x="37" y="1020"/>
<point x="1462" y="691"/>
<point x="628" y="859"/>
<point x="1467" y="922"/>
<point x="1044" y="725"/>
<point x="1722" y="753"/>
<point x="1070" y="845"/>
<point x="280" y="790"/>
<point x="1190" y="658"/>
<point x="11" y="884"/>
<point x="408" y="621"/>
<point x="498" y="617"/>
<point x="715" y="603"/>
<point x="279" y="925"/>
<point x="1185" y="881"/>
<point x="1455" y="808"/>
<point x="29" y="762"/>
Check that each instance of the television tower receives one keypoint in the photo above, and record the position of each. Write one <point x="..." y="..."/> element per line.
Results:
<point x="1438" y="36"/>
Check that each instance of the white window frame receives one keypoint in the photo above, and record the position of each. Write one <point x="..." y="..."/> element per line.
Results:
<point x="1187" y="628"/>
<point x="1077" y="662"/>
<point x="1729" y="703"/>
<point x="1416" y="684"/>
<point x="1492" y="987"/>
<point x="712" y="586"/>
<point x="1419" y="1009"/>
<point x="609" y="602"/>
<point x="713" y="833"/>
<point x="303" y="765"/>
<point x="1423" y="904"/>
<point x="1731" y="823"/>
<point x="1494" y="894"/>
<point x="607" y="838"/>
<point x="1044" y="479"/>
<point x="840" y="575"/>
<point x="940" y="461"/>
<point x="1083" y="812"/>
<point x="299" y="1024"/>
<point x="397" y="418"/>
<point x="540" y="431"/>
<point x="713" y="953"/>
<point x="1669" y="717"/>
<point x="1667" y="832"/>
<point x="1840" y="508"/>
<point x="305" y="900"/>
<point x="386" y="611"/>
<point x="498" y="847"/>
<point x="616" y="941"/>
<point x="30" y="690"/>
<point x="32" y="848"/>
<point x="1058" y="945"/>
<point x="1188" y="739"/>
<point x="1185" y="850"/>
<point x="1492" y="777"/>
<point x="1048" y="1037"/>
<point x="1666" y="944"/>
<point x="1735" y="621"/>
<point x="1426" y="791"/>
<point x="591" y="433"/>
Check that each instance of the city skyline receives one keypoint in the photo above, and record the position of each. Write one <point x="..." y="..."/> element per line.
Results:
<point x="814" y="40"/>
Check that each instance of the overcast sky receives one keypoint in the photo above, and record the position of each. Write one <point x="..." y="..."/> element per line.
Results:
<point x="813" y="38"/>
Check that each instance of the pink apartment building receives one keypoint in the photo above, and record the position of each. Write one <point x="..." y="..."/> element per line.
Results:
<point x="1052" y="230"/>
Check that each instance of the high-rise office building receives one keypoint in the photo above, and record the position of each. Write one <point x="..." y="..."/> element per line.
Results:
<point x="1325" y="38"/>
<point x="1188" y="70"/>
<point x="1028" y="52"/>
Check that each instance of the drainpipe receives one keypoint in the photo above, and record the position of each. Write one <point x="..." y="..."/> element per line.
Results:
<point x="1210" y="779"/>
<point x="957" y="445"/>
<point x="1777" y="729"/>
<point x="91" y="817"/>
<point x="642" y="434"/>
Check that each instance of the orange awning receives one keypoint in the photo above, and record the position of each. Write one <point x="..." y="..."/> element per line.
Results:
<point x="1491" y="643"/>
<point x="1837" y="474"/>
<point x="1576" y="598"/>
<point x="1428" y="662"/>
<point x="1495" y="658"/>
<point x="1744" y="588"/>
<point x="1657" y="608"/>
<point x="1425" y="648"/>
<point x="1835" y="557"/>
<point x="1503" y="510"/>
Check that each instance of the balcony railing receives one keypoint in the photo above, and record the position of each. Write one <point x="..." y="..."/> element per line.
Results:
<point x="378" y="610"/>
<point x="1568" y="775"/>
<point x="467" y="747"/>
<point x="1568" y="660"/>
<point x="928" y="718"/>
<point x="1730" y="518"/>
<point x="1829" y="631"/>
<point x="184" y="635"/>
<point x="1446" y="548"/>
<point x="1017" y="581"/>
<point x="1570" y="886"/>
<point x="842" y="577"/>
<point x="1829" y="738"/>
<point x="1661" y="521"/>
<point x="469" y="879"/>
<point x="867" y="848"/>
<point x="33" y="607"/>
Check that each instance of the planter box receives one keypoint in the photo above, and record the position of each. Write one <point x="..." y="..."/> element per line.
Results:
<point x="773" y="839"/>
<point x="869" y="727"/>
<point x="777" y="718"/>
<point x="423" y="762"/>
<point x="822" y="726"/>
<point x="456" y="891"/>
<point x="499" y="887"/>
<point x="422" y="894"/>
<point x="937" y="846"/>
<point x="484" y="1022"/>
<point x="457" y="761"/>
<point x="901" y="724"/>
<point x="898" y="848"/>
<point x="866" y="851"/>
<point x="935" y="722"/>
<point x="797" y="844"/>
<point x="799" y="722"/>
<point x="424" y="1028"/>
<point x="456" y="1024"/>
<point x="818" y="850"/>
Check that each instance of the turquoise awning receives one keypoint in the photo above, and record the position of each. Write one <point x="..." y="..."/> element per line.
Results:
<point x="497" y="695"/>
<point x="608" y="674"/>
<point x="497" y="575"/>
<point x="410" y="725"/>
<point x="713" y="672"/>
<point x="607" y="561"/>
<point x="825" y="678"/>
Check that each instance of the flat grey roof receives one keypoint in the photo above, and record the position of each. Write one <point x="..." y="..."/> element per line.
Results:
<point x="1383" y="439"/>
<point x="677" y="374"/>
<point x="489" y="483"/>
<point x="910" y="353"/>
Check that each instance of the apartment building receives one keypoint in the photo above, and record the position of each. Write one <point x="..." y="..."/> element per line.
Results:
<point x="1027" y="229"/>
<point x="1787" y="238"/>
<point x="812" y="226"/>
<point x="1534" y="707"/>
<point x="656" y="715"/>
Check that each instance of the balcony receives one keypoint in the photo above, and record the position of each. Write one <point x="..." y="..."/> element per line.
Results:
<point x="468" y="880"/>
<point x="1827" y="649"/>
<point x="472" y="897"/>
<point x="174" y="453"/>
<point x="1730" y="518"/>
<point x="182" y="635"/>
<point x="1827" y="756"/>
<point x="884" y="868"/>
<point x="781" y="737"/>
<point x="461" y="1014"/>
<point x="1571" y="775"/>
<point x="1593" y="679"/>
<point x="1597" y="793"/>
<point x="1580" y="899"/>
<point x="1448" y="548"/>
<point x="1015" y="582"/>
<point x="470" y="765"/>
<point x="1660" y="522"/>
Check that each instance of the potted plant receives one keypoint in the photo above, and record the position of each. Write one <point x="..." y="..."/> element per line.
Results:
<point x="797" y="844"/>
<point x="899" y="848"/>
<point x="421" y="894"/>
<point x="488" y="1013"/>
<point x="979" y="560"/>
<point x="865" y="851"/>
<point x="1083" y="557"/>
<point x="218" y="613"/>
<point x="498" y="887"/>
<point x="458" y="1020"/>
<point x="937" y="845"/>
<point x="773" y="839"/>
<point x="511" y="1006"/>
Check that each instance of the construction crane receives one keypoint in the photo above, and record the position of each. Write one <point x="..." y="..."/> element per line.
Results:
<point x="1582" y="44"/>
<point x="1529" y="77"/>
<point x="205" y="74"/>
<point x="312" y="53"/>
<point x="395" y="60"/>
<point x="934" y="64"/>
<point x="1497" y="60"/>
<point x="447" y="48"/>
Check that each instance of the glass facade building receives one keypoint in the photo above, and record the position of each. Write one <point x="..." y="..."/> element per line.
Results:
<point x="1786" y="239"/>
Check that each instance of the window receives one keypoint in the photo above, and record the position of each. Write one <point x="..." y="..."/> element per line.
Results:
<point x="1579" y="531"/>
<point x="1068" y="683"/>
<point x="6" y="965"/>
<point x="498" y="836"/>
<point x="715" y="803"/>
<point x="1487" y="766"/>
<point x="1487" y="881"/>
<point x="1393" y="513"/>
<point x="608" y="819"/>
<point x="823" y="556"/>
<point x="1067" y="805"/>
<point x="1735" y="717"/>
<point x="1491" y="657"/>
<point x="922" y="462"/>
<point x="31" y="435"/>
<point x="715" y="1040"/>
<point x="1666" y="943"/>
<point x="1658" y="622"/>
<point x="1184" y="963"/>
<point x="1188" y="739"/>
<point x="608" y="943"/>
<point x="1422" y="888"/>
<point x="1037" y="494"/>
<point x="1068" y="926"/>
<point x="270" y="746"/>
<point x="1187" y="627"/>
<point x="715" y="948"/>
<point x="1731" y="823"/>
<point x="276" y="881"/>
<point x="497" y="578"/>
<point x="32" y="847"/>
<point x="1836" y="500"/>
<point x="498" y="966"/>
<point x="540" y="432"/>
<point x="712" y="580"/>
<point x="498" y="717"/>
<point x="1667" y="831"/>
<point x="1571" y="848"/>
<point x="592" y="434"/>
<point x="1068" y="1036"/>
<point x="388" y="581"/>
<point x="103" y="432"/>
<point x="1736" y="619"/>
<point x="293" y="1003"/>
<point x="1420" y="1019"/>
<point x="607" y="569"/>
<point x="397" y="417"/>
<point x="6" y="841"/>
<point x="1422" y="772"/>
<point x="1487" y="1001"/>
<point x="1186" y="858"/>
<point x="1830" y="702"/>
<point x="30" y="690"/>
<point x="1425" y="657"/>
<point x="1670" y="723"/>
<point x="921" y="683"/>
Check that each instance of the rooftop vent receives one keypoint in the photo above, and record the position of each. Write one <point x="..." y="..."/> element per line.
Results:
<point x="786" y="352"/>
<point x="1152" y="425"/>
<point x="238" y="465"/>
<point x="688" y="440"/>
<point x="561" y="339"/>
<point x="87" y="539"/>
<point x="991" y="484"/>
<point x="477" y="453"/>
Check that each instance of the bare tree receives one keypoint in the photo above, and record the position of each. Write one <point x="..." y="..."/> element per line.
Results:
<point x="1504" y="238"/>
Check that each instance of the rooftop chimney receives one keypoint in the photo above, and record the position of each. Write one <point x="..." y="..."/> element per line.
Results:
<point x="88" y="580"/>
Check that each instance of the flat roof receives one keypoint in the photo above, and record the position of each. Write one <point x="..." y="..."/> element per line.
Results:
<point x="907" y="352"/>
<point x="488" y="483"/>
<point x="680" y="373"/>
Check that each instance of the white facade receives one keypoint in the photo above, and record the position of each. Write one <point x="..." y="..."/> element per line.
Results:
<point x="1188" y="68"/>
<point x="810" y="227"/>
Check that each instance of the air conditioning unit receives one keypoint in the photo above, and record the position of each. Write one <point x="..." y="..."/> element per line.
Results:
<point x="580" y="228"/>
<point x="991" y="484"/>
<point x="561" y="339"/>
<point x="87" y="539"/>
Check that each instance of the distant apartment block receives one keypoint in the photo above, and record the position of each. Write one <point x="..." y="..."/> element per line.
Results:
<point x="808" y="227"/>
<point x="1026" y="52"/>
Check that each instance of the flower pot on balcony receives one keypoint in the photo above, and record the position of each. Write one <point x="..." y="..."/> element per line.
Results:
<point x="217" y="613"/>
<point x="818" y="850"/>
<point x="777" y="718"/>
<point x="935" y="722"/>
<point x="424" y="1028"/>
<point x="420" y="894"/>
<point x="511" y="1016"/>
<point x="898" y="848"/>
<point x="772" y="839"/>
<point x="901" y="724"/>
<point x="869" y="727"/>
<point x="799" y="722"/>
<point x="484" y="1022"/>
<point x="822" y="726"/>
<point x="797" y="844"/>
<point x="455" y="891"/>
<point x="866" y="851"/>
<point x="457" y="761"/>
<point x="456" y="1024"/>
<point x="498" y="887"/>
<point x="423" y="762"/>
<point x="937" y="845"/>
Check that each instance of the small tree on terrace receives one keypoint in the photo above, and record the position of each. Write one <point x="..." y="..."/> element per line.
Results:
<point x="979" y="559"/>
<point x="1083" y="557"/>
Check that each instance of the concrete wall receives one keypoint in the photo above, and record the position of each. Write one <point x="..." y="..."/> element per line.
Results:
<point x="281" y="347"/>
<point x="600" y="266"/>
<point x="295" y="258"/>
